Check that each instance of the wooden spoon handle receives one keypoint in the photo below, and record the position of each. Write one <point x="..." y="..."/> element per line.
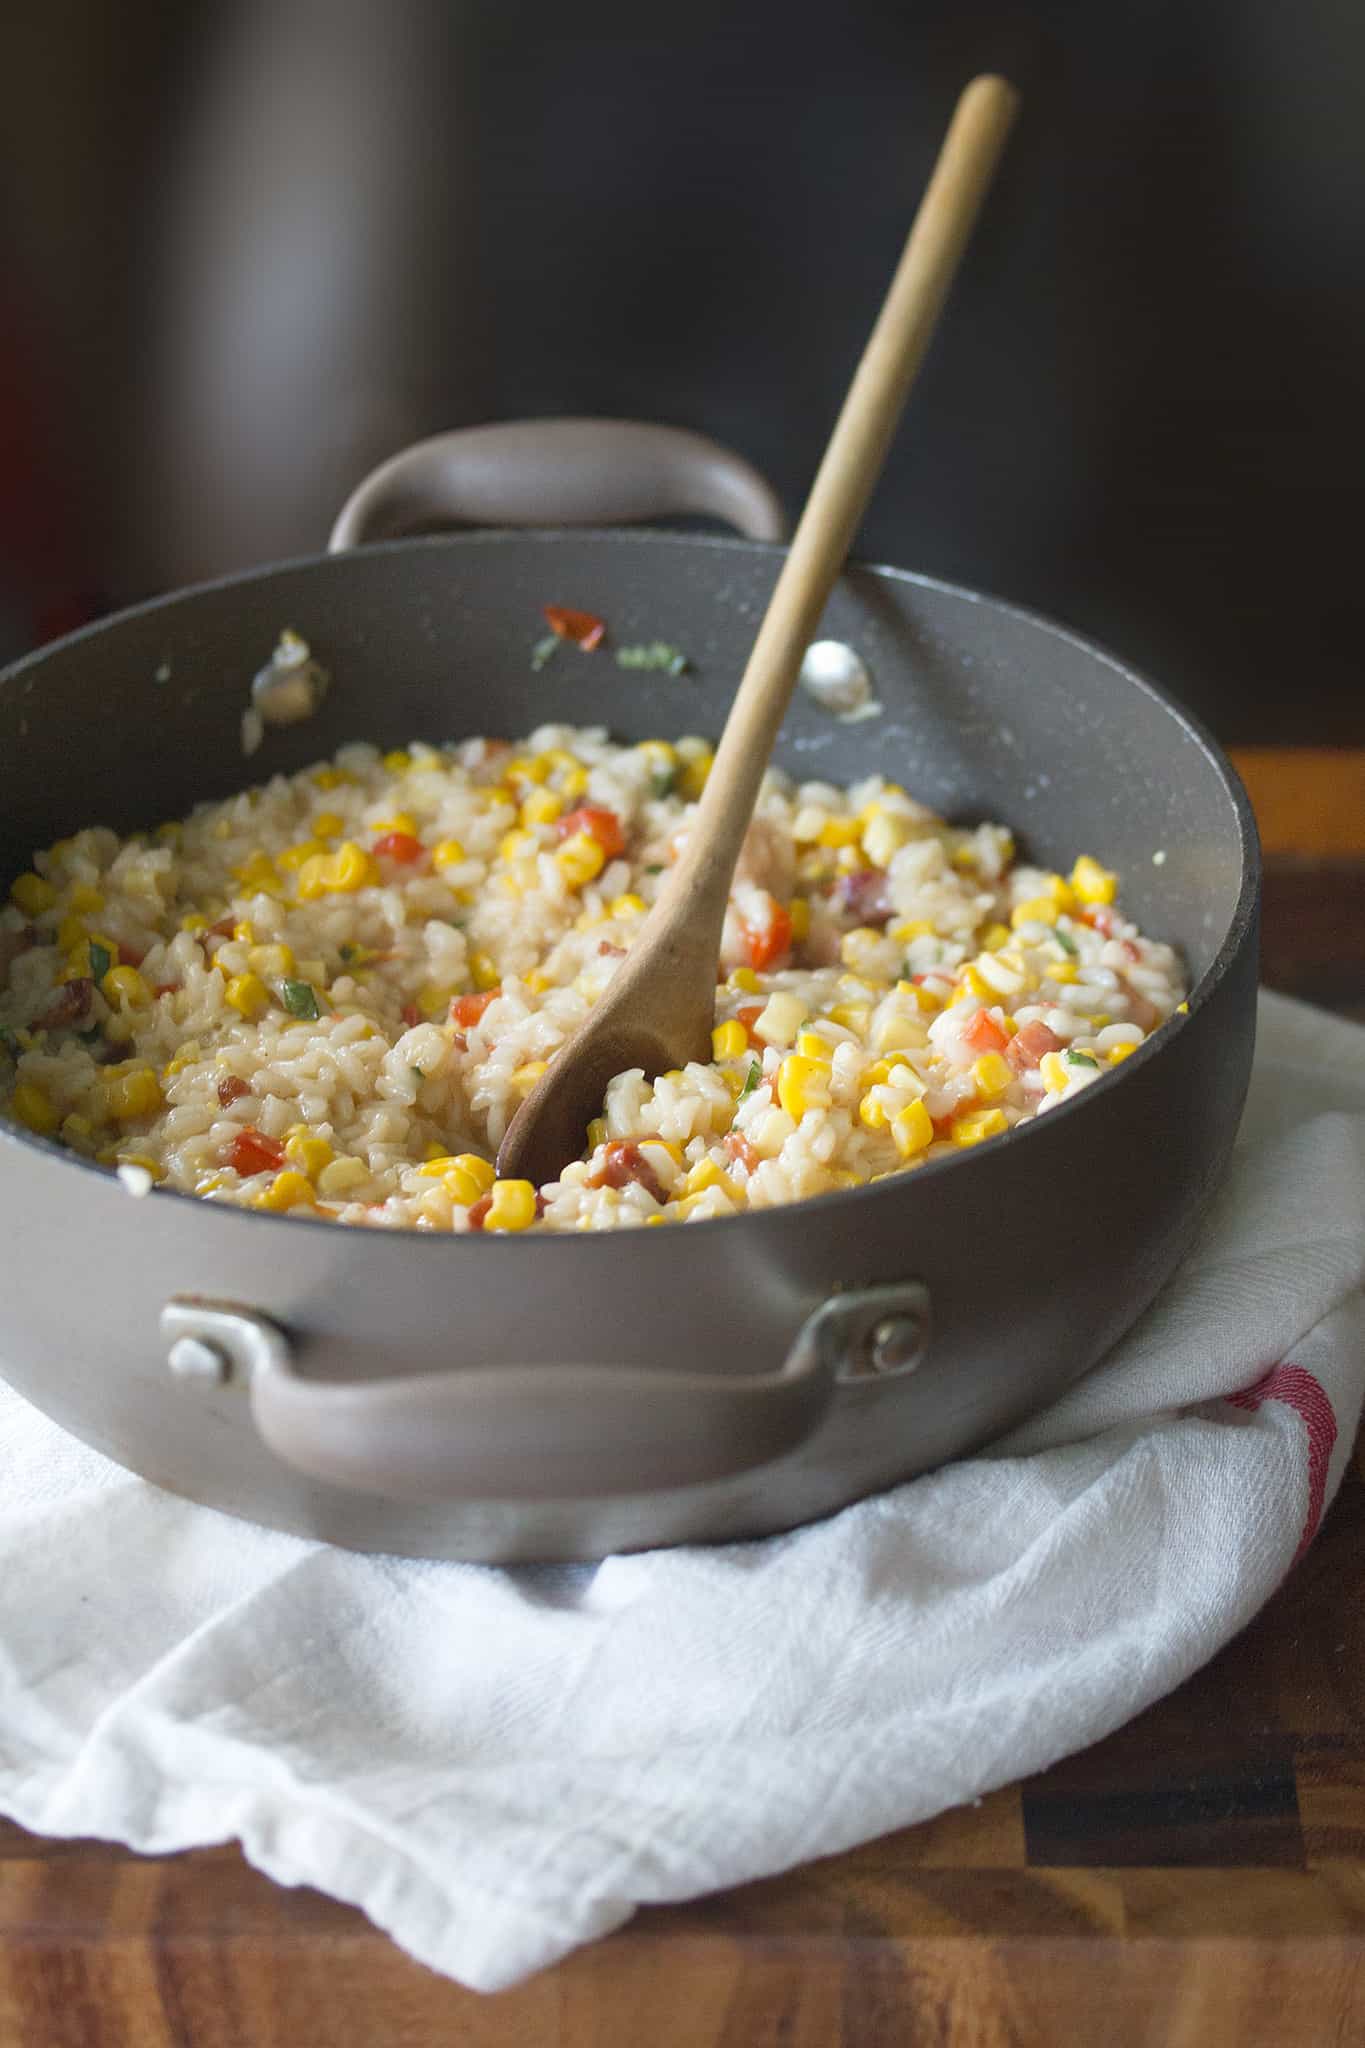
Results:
<point x="852" y="463"/>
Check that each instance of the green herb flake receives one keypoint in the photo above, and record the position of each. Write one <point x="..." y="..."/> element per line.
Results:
<point x="657" y="655"/>
<point x="1080" y="1059"/>
<point x="545" y="650"/>
<point x="419" y="1074"/>
<point x="662" y="781"/>
<point x="751" y="1079"/>
<point x="101" y="960"/>
<point x="1065" y="941"/>
<point x="300" y="999"/>
<point x="654" y="870"/>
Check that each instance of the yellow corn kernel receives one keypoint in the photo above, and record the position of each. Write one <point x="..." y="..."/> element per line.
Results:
<point x="448" y="853"/>
<point x="992" y="1075"/>
<point x="994" y="938"/>
<point x="484" y="971"/>
<point x="537" y="981"/>
<point x="244" y="932"/>
<point x="597" y="1133"/>
<point x="1119" y="1052"/>
<point x="629" y="905"/>
<point x="434" y="998"/>
<point x="1053" y="1070"/>
<point x="853" y="1016"/>
<point x="127" y="1096"/>
<point x="870" y="1113"/>
<point x="288" y="1190"/>
<point x="1092" y="883"/>
<point x="401" y="821"/>
<point x="274" y="961"/>
<point x="125" y="988"/>
<point x="884" y="835"/>
<point x="813" y="1045"/>
<point x="706" y="1174"/>
<point x="978" y="985"/>
<point x="33" y="1108"/>
<point x="802" y="1084"/>
<point x="300" y="853"/>
<point x="575" y="784"/>
<point x="1064" y="972"/>
<point x="85" y="899"/>
<point x="978" y="1125"/>
<point x="70" y="932"/>
<point x="1037" y="910"/>
<point x="33" y="894"/>
<point x="541" y="807"/>
<point x="314" y="876"/>
<point x="1099" y="1020"/>
<point x="512" y="1207"/>
<point x="188" y="1055"/>
<point x="355" y="869"/>
<point x="514" y="845"/>
<point x="332" y="778"/>
<point x="744" y="980"/>
<point x="839" y="832"/>
<point x="257" y="873"/>
<point x="798" y="910"/>
<point x="913" y="1130"/>
<point x="911" y="928"/>
<point x="658" y="753"/>
<point x="695" y="770"/>
<point x="398" y="760"/>
<point x="525" y="1077"/>
<point x="328" y="825"/>
<point x="193" y="922"/>
<point x="247" y="994"/>
<point x="1061" y="892"/>
<point x="1182" y="1009"/>
<point x="780" y="1019"/>
<point x="342" y="1175"/>
<point x="580" y="859"/>
<point x="729" y="1040"/>
<point x="209" y="1183"/>
<point x="308" y="1153"/>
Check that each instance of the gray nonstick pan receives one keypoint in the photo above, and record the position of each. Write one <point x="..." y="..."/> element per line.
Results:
<point x="565" y="1396"/>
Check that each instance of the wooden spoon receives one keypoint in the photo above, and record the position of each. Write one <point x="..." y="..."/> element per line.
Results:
<point x="659" y="1007"/>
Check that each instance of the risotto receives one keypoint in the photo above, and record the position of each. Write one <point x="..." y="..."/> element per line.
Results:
<point x="328" y="995"/>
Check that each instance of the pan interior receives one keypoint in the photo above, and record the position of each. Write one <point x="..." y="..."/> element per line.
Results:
<point x="987" y="712"/>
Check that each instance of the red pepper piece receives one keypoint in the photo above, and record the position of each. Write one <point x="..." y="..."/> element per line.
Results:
<point x="231" y="1089"/>
<point x="478" y="1211"/>
<point x="467" y="1010"/>
<point x="252" y="1152"/>
<point x="767" y="944"/>
<point x="399" y="846"/>
<point x="585" y="629"/>
<point x="411" y="1015"/>
<point x="622" y="1163"/>
<point x="601" y="825"/>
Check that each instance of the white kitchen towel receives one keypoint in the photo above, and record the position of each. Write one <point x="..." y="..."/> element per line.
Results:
<point x="500" y="1764"/>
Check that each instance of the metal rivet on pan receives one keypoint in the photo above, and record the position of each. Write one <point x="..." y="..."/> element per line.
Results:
<point x="896" y="1344"/>
<point x="195" y="1358"/>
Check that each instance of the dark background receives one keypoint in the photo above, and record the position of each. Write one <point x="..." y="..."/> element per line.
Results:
<point x="249" y="249"/>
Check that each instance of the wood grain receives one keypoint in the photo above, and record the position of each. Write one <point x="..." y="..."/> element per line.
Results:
<point x="1196" y="1879"/>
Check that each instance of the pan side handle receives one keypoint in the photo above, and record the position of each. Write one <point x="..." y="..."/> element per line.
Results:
<point x="542" y="1432"/>
<point x="558" y="472"/>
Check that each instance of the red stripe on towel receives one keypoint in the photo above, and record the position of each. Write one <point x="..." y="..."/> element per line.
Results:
<point x="1300" y="1391"/>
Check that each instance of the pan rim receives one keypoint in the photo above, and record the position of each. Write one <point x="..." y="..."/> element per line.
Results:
<point x="1239" y="928"/>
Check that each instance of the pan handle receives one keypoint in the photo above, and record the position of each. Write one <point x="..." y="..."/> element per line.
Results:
<point x="561" y="472"/>
<point x="542" y="1432"/>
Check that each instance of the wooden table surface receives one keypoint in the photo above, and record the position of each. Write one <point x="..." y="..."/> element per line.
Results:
<point x="1196" y="1879"/>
